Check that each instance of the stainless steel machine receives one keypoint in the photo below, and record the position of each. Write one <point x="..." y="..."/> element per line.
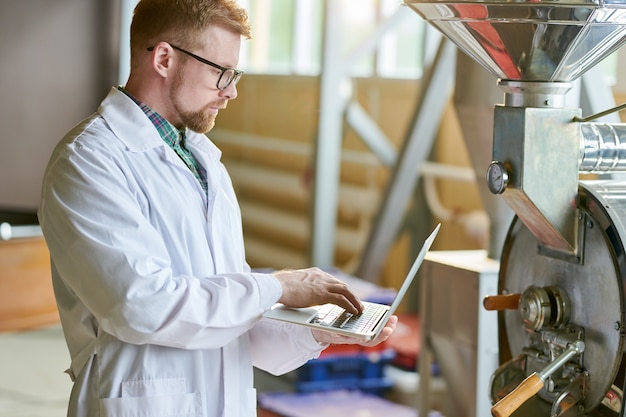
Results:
<point x="561" y="298"/>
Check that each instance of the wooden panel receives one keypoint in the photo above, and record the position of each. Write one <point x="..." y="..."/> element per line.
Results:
<point x="269" y="176"/>
<point x="26" y="296"/>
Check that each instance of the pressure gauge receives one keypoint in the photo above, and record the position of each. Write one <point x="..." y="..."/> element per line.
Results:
<point x="497" y="177"/>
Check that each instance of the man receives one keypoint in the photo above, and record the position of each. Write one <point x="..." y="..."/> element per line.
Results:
<point x="161" y="313"/>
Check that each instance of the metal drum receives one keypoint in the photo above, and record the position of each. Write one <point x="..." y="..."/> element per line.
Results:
<point x="595" y="290"/>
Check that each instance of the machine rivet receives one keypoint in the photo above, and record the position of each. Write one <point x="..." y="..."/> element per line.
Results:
<point x="617" y="326"/>
<point x="589" y="224"/>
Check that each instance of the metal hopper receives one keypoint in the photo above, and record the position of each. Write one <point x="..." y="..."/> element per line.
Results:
<point x="531" y="41"/>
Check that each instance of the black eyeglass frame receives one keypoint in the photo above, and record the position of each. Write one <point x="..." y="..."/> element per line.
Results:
<point x="236" y="73"/>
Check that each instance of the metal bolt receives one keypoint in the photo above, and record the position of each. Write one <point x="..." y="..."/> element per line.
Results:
<point x="589" y="224"/>
<point x="617" y="325"/>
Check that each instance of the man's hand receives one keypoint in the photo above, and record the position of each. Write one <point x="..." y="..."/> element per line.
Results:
<point x="312" y="286"/>
<point x="337" y="339"/>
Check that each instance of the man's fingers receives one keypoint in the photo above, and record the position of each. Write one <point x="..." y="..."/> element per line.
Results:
<point x="346" y="304"/>
<point x="347" y="299"/>
<point x="332" y="338"/>
<point x="303" y="288"/>
<point x="385" y="333"/>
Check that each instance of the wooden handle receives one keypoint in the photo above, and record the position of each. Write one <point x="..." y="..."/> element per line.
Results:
<point x="514" y="399"/>
<point x="501" y="302"/>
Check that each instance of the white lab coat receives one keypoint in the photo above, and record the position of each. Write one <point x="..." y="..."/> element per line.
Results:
<point x="159" y="308"/>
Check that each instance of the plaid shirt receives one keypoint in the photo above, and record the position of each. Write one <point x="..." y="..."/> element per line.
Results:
<point x="174" y="138"/>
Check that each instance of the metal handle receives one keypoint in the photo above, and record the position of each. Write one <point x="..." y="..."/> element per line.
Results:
<point x="534" y="382"/>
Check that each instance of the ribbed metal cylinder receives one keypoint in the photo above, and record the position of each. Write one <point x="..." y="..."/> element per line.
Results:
<point x="602" y="148"/>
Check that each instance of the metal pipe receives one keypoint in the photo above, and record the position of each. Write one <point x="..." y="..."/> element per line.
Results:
<point x="8" y="231"/>
<point x="602" y="148"/>
<point x="534" y="94"/>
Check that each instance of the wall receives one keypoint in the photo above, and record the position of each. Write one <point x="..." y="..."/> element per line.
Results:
<point x="267" y="137"/>
<point x="59" y="58"/>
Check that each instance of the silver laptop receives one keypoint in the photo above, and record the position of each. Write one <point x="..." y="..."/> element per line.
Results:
<point x="332" y="318"/>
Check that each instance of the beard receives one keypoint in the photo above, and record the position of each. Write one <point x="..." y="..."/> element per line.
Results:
<point x="200" y="121"/>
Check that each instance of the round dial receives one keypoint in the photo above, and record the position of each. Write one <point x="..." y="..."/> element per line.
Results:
<point x="497" y="177"/>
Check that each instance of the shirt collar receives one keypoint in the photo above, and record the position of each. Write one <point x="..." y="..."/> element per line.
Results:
<point x="168" y="132"/>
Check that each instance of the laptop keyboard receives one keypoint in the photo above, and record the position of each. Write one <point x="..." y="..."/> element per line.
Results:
<point x="334" y="316"/>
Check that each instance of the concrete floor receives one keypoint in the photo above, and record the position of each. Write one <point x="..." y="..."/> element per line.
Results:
<point x="32" y="378"/>
<point x="33" y="382"/>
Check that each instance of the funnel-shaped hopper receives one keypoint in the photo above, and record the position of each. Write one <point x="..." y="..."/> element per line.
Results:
<point x="530" y="40"/>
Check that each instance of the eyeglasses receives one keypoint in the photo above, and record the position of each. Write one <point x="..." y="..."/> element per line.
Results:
<point x="227" y="76"/>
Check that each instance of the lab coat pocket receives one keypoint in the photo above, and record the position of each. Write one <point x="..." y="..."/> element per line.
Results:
<point x="153" y="398"/>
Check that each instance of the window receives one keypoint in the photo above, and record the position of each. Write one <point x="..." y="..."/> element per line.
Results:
<point x="402" y="50"/>
<point x="270" y="49"/>
<point x="288" y="36"/>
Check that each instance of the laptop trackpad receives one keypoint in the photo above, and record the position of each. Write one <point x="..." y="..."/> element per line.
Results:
<point x="297" y="315"/>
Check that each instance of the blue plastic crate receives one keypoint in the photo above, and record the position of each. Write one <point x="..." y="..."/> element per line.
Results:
<point x="361" y="371"/>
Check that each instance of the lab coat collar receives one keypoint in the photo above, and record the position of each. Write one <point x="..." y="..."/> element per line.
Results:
<point x="136" y="131"/>
<point x="129" y="123"/>
<point x="204" y="144"/>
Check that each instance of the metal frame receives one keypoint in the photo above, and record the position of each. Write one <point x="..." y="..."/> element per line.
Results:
<point x="334" y="110"/>
<point x="437" y="82"/>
